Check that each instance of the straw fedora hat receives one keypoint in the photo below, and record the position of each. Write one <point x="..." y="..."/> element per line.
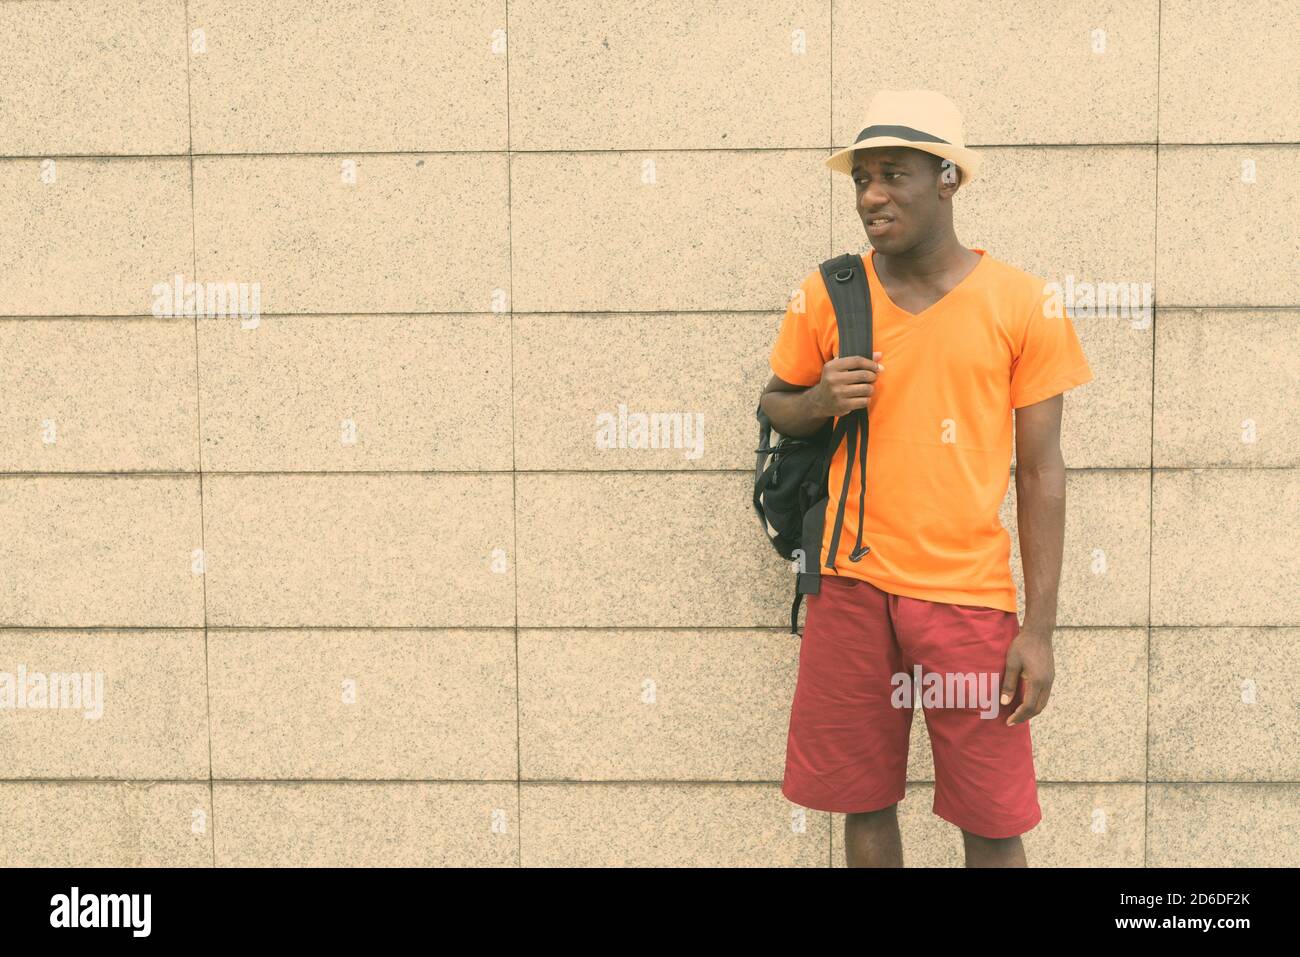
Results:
<point x="920" y="119"/>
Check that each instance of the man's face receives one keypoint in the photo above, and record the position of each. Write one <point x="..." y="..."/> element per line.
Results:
<point x="902" y="188"/>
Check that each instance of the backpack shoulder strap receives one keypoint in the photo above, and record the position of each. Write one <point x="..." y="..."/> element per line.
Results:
<point x="846" y="284"/>
<point x="850" y="294"/>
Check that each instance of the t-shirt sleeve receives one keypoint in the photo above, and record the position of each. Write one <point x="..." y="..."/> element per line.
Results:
<point x="1048" y="359"/>
<point x="801" y="349"/>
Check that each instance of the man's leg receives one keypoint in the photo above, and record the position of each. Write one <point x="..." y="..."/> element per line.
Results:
<point x="994" y="852"/>
<point x="847" y="745"/>
<point x="872" y="839"/>
<point x="984" y="780"/>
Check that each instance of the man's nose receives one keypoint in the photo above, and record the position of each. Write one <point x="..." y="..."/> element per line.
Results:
<point x="873" y="197"/>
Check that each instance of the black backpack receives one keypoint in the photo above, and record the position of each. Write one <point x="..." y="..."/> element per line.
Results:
<point x="792" y="478"/>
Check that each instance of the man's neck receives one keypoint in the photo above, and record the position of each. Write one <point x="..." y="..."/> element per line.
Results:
<point x="927" y="263"/>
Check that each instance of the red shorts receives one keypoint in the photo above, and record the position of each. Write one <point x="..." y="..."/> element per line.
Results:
<point x="851" y="718"/>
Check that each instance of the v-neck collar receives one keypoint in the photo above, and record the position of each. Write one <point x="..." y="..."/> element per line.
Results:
<point x="871" y="256"/>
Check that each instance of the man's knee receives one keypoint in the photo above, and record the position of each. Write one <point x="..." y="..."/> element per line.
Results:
<point x="980" y="839"/>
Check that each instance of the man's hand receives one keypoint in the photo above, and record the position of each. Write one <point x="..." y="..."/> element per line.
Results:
<point x="1030" y="657"/>
<point x="847" y="383"/>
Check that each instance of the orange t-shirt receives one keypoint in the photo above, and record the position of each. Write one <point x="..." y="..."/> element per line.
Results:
<point x="940" y="419"/>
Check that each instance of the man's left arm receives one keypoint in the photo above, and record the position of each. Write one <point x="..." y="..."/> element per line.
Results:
<point x="1040" y="516"/>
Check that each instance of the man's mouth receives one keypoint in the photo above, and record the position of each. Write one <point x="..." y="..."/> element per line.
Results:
<point x="879" y="225"/>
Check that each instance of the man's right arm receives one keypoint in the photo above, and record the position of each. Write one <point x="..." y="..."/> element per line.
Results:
<point x="793" y="409"/>
<point x="797" y="410"/>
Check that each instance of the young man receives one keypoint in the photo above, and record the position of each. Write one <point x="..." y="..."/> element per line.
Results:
<point x="962" y="339"/>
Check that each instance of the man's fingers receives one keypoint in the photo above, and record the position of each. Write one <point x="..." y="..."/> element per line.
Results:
<point x="1028" y="705"/>
<point x="855" y="363"/>
<point x="1010" y="678"/>
<point x="840" y="379"/>
<point x="1043" y="694"/>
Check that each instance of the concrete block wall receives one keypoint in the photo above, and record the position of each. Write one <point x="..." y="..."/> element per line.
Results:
<point x="356" y="580"/>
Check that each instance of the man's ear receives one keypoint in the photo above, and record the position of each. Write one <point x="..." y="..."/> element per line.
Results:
<point x="949" y="173"/>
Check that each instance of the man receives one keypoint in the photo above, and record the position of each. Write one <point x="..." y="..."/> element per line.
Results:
<point x="962" y="340"/>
